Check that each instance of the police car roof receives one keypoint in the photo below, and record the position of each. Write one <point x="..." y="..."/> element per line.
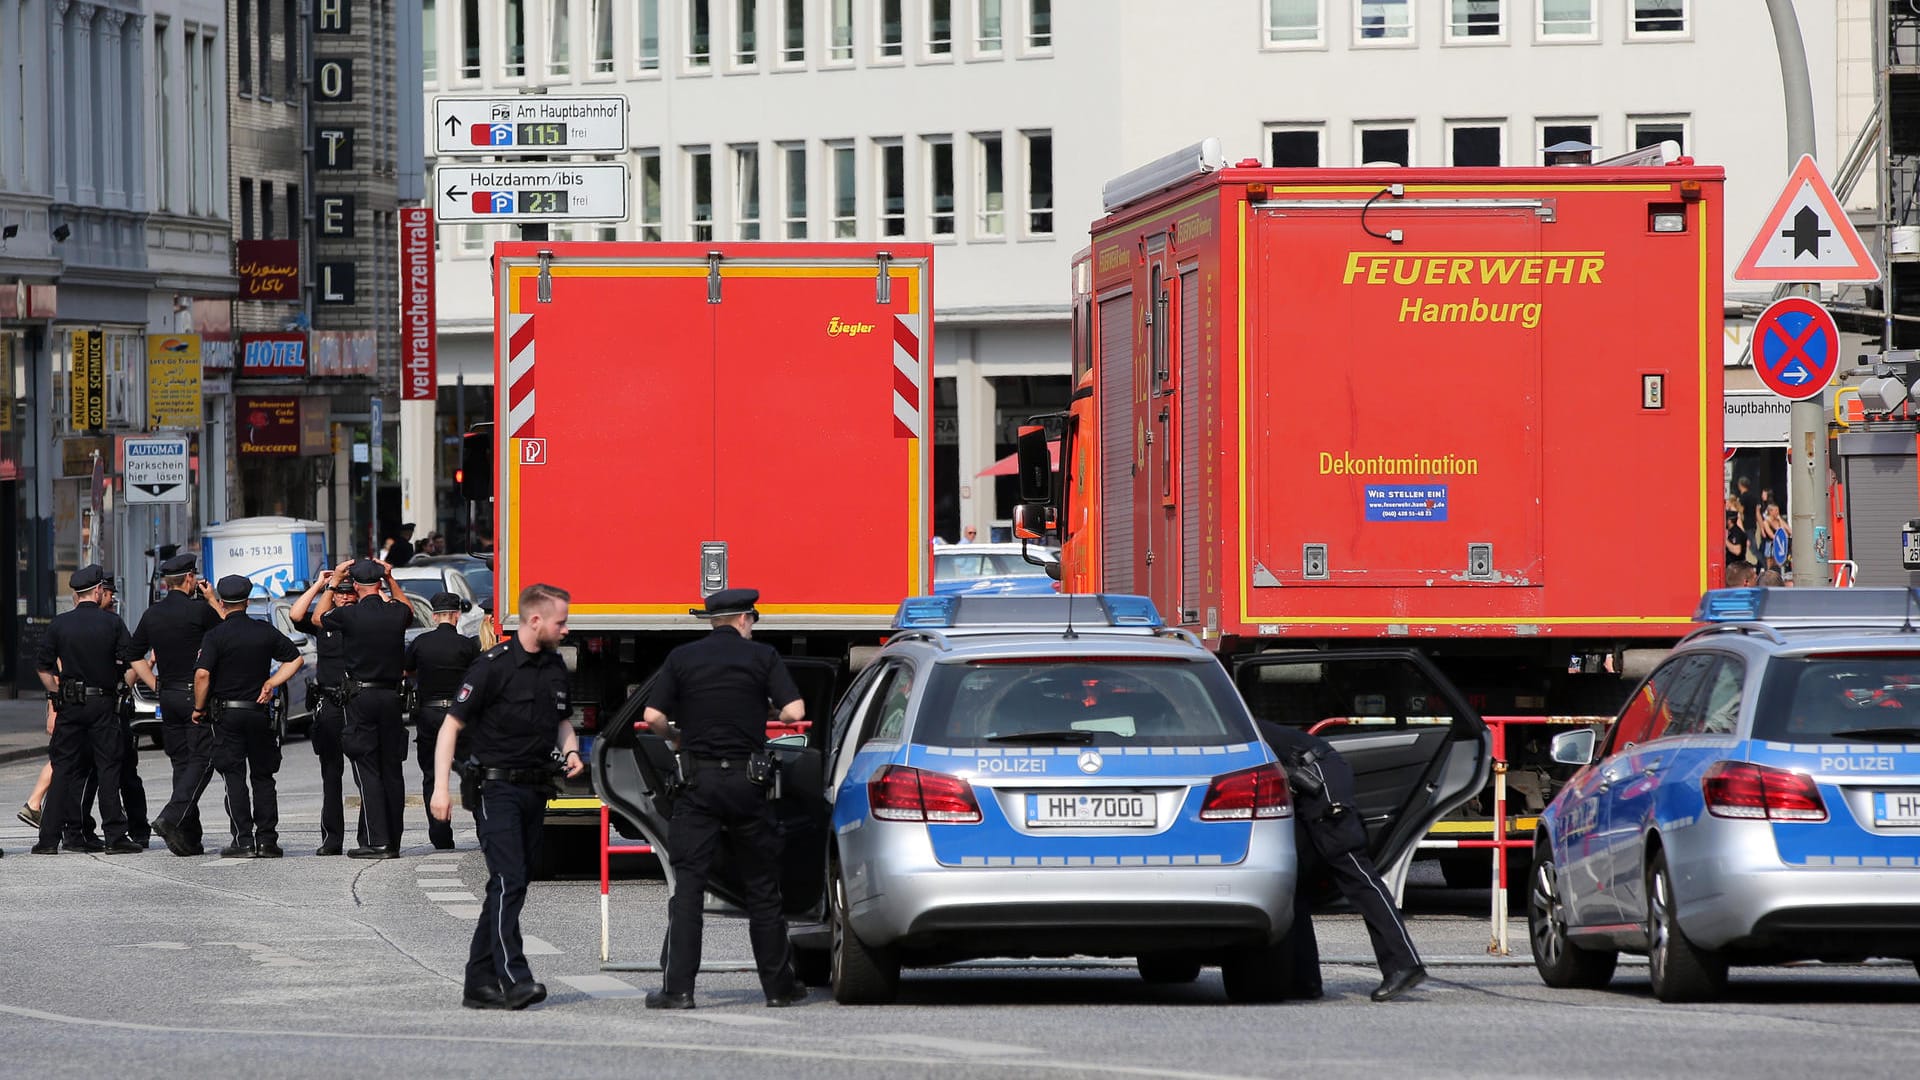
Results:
<point x="1101" y="646"/>
<point x="1101" y="613"/>
<point x="1813" y="607"/>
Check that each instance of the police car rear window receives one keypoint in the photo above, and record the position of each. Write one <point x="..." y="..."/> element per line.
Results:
<point x="1080" y="702"/>
<point x="1863" y="698"/>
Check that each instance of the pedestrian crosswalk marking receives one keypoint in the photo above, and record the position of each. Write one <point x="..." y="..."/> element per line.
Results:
<point x="533" y="946"/>
<point x="458" y="894"/>
<point x="602" y="986"/>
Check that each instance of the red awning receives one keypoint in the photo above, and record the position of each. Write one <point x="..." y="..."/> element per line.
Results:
<point x="1010" y="465"/>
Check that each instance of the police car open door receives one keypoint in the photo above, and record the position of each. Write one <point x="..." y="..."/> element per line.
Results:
<point x="1417" y="749"/>
<point x="632" y="768"/>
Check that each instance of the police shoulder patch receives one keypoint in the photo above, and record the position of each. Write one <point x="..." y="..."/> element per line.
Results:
<point x="466" y="691"/>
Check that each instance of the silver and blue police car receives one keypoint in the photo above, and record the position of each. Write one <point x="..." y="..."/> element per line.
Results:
<point x="1757" y="800"/>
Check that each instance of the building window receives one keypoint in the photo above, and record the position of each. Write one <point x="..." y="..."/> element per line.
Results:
<point x="265" y="38"/>
<point x="793" y="171"/>
<point x="1039" y="24"/>
<point x="651" y="203"/>
<point x="939" y="27"/>
<point x="603" y="37"/>
<point x="987" y="34"/>
<point x="700" y="193"/>
<point x="1652" y="131"/>
<point x="243" y="33"/>
<point x="746" y="192"/>
<point x="940" y="194"/>
<point x="246" y="209"/>
<point x="1294" y="22"/>
<point x="470" y="39"/>
<point x="646" y="26"/>
<point x="840" y="31"/>
<point x="846" y="195"/>
<point x="1383" y="143"/>
<point x="793" y="32"/>
<point x="746" y="30"/>
<point x="429" y="43"/>
<point x="291" y="20"/>
<point x="891" y="43"/>
<point x="1383" y="20"/>
<point x="699" y="34"/>
<point x="1555" y="132"/>
<point x="296" y="213"/>
<point x="1659" y="16"/>
<point x="990" y="182"/>
<point x="893" y="188"/>
<point x="266" y="210"/>
<point x="473" y="239"/>
<point x="559" y="40"/>
<point x="1296" y="147"/>
<point x="513" y="45"/>
<point x="1476" y="144"/>
<point x="1568" y="20"/>
<point x="169" y="101"/>
<point x="1039" y="183"/>
<point x="1469" y="19"/>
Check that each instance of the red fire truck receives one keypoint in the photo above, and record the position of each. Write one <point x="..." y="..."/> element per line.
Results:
<point x="1473" y="410"/>
<point x="673" y="419"/>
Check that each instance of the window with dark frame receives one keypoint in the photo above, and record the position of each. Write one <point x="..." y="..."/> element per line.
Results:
<point x="893" y="189"/>
<point x="243" y="33"/>
<point x="940" y="221"/>
<point x="940" y="27"/>
<point x="264" y="33"/>
<point x="1474" y="145"/>
<point x="470" y="39"/>
<point x="793" y="48"/>
<point x="1039" y="183"/>
<point x="246" y="209"/>
<point x="1473" y="18"/>
<point x="1654" y="132"/>
<point x="1659" y="16"/>
<point x="266" y="210"/>
<point x="892" y="44"/>
<point x="1393" y="144"/>
<point x="1294" y="148"/>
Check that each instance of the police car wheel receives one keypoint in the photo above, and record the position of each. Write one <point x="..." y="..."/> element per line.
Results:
<point x="1679" y="970"/>
<point x="860" y="975"/>
<point x="1259" y="975"/>
<point x="1168" y="968"/>
<point x="1561" y="964"/>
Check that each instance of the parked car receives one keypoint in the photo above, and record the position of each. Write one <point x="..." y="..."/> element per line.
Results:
<point x="1056" y="776"/>
<point x="1757" y="800"/>
<point x="292" y="707"/>
<point x="464" y="576"/>
<point x="992" y="570"/>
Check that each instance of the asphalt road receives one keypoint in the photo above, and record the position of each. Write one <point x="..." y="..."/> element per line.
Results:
<point x="151" y="965"/>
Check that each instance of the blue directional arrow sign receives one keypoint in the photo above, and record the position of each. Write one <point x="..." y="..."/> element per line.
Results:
<point x="1796" y="348"/>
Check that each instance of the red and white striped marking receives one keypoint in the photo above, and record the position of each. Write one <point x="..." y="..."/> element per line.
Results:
<point x="519" y="376"/>
<point x="908" y="415"/>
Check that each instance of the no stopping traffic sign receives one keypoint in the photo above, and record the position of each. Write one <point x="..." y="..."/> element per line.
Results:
<point x="1796" y="348"/>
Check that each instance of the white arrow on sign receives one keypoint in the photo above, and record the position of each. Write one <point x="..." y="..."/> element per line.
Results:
<point x="510" y="192"/>
<point x="529" y="124"/>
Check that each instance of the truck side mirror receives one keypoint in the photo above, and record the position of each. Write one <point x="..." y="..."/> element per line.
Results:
<point x="476" y="463"/>
<point x="1032" y="521"/>
<point x="1036" y="464"/>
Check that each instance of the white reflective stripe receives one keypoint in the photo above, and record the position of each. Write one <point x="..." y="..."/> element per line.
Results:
<point x="1373" y="880"/>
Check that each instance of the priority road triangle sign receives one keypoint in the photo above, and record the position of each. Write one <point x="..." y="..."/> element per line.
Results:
<point x="1807" y="236"/>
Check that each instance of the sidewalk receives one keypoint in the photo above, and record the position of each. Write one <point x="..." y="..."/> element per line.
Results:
<point x="23" y="728"/>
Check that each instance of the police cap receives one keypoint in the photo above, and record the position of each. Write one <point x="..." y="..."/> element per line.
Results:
<point x="729" y="602"/>
<point x="447" y="602"/>
<point x="233" y="589"/>
<point x="180" y="564"/>
<point x="87" y="577"/>
<point x="366" y="572"/>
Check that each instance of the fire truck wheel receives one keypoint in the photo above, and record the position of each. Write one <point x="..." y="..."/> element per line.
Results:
<point x="1562" y="964"/>
<point x="1169" y="968"/>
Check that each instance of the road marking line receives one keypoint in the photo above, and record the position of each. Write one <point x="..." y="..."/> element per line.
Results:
<point x="445" y="855"/>
<point x="434" y="869"/>
<point x="602" y="986"/>
<point x="967" y="1047"/>
<point x="533" y="946"/>
<point x="457" y="895"/>
<point x="462" y="911"/>
<point x="734" y="1019"/>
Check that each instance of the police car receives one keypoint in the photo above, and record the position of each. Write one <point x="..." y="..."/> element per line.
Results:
<point x="1038" y="777"/>
<point x="1757" y="800"/>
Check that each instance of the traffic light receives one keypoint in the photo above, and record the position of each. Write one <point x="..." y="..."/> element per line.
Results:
<point x="474" y="478"/>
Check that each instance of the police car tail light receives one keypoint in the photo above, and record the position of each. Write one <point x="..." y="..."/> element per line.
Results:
<point x="1741" y="789"/>
<point x="903" y="793"/>
<point x="1259" y="792"/>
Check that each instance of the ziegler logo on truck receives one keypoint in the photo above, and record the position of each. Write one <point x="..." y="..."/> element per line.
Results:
<point x="1448" y="268"/>
<point x="837" y="328"/>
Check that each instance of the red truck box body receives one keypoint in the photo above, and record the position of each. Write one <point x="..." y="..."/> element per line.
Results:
<point x="652" y="399"/>
<point x="1459" y="402"/>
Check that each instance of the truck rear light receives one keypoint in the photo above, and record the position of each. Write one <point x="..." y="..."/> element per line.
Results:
<point x="1741" y="789"/>
<point x="1259" y="792"/>
<point x="1666" y="218"/>
<point x="903" y="793"/>
<point x="590" y="717"/>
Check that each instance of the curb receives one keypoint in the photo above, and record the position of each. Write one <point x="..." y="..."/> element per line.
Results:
<point x="23" y="753"/>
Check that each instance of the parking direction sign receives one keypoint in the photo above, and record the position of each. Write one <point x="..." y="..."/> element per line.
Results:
<point x="530" y="124"/>
<point x="156" y="470"/>
<point x="1796" y="348"/>
<point x="506" y="193"/>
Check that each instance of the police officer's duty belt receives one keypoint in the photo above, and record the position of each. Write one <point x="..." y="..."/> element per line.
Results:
<point x="356" y="685"/>
<point x="438" y="703"/>
<point x="237" y="703"/>
<point x="518" y="776"/>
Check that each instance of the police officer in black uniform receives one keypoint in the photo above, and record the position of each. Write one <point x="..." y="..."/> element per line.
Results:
<point x="513" y="707"/>
<point x="373" y="642"/>
<point x="171" y="631"/>
<point x="81" y="664"/>
<point x="711" y="698"/>
<point x="133" y="793"/>
<point x="1331" y="838"/>
<point x="437" y="662"/>
<point x="329" y="710"/>
<point x="233" y="689"/>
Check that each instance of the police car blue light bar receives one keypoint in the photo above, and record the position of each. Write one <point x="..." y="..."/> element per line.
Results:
<point x="926" y="612"/>
<point x="1125" y="610"/>
<point x="1810" y="607"/>
<point x="1057" y="611"/>
<point x="1729" y="605"/>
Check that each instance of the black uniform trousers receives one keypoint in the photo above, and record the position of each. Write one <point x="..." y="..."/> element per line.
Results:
<point x="723" y="802"/>
<point x="77" y="731"/>
<point x="246" y="755"/>
<point x="329" y="720"/>
<point x="190" y="747"/>
<point x="426" y="739"/>
<point x="375" y="739"/>
<point x="1335" y="845"/>
<point x="133" y="793"/>
<point x="509" y="820"/>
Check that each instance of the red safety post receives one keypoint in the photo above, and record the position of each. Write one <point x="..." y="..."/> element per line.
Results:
<point x="608" y="849"/>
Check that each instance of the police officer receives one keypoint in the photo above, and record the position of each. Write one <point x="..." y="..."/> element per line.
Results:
<point x="711" y="698"/>
<point x="133" y="793"/>
<point x="329" y="712"/>
<point x="1330" y="837"/>
<point x="513" y="706"/>
<point x="80" y="664"/>
<point x="437" y="661"/>
<point x="373" y="643"/>
<point x="171" y="631"/>
<point x="233" y="688"/>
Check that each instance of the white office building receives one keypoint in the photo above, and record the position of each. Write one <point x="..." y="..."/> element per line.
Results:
<point x="988" y="126"/>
